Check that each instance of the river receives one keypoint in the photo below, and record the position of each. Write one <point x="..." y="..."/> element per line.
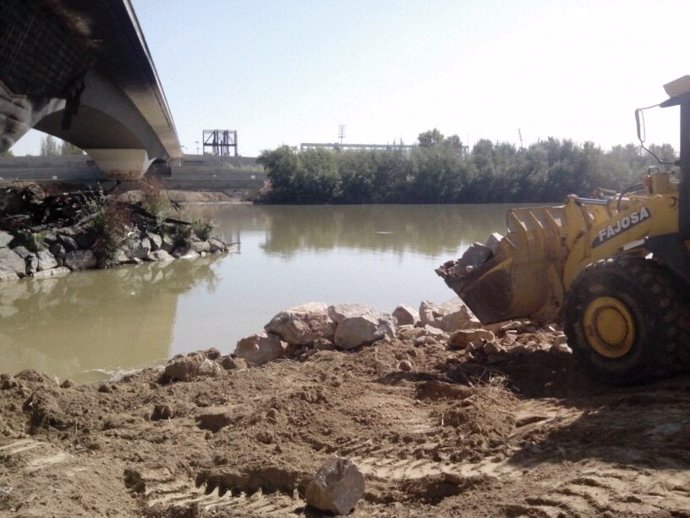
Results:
<point x="91" y="325"/>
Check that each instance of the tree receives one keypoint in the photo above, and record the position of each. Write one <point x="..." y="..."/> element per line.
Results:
<point x="7" y="154"/>
<point x="430" y="138"/>
<point x="49" y="146"/>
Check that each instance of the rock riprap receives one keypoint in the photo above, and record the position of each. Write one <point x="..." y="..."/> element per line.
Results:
<point x="45" y="235"/>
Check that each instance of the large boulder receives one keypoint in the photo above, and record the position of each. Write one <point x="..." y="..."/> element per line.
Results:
<point x="260" y="348"/>
<point x="336" y="487"/>
<point x="46" y="260"/>
<point x="80" y="260"/>
<point x="5" y="239"/>
<point x="449" y="316"/>
<point x="11" y="265"/>
<point x="189" y="367"/>
<point x="359" y="324"/>
<point x="301" y="325"/>
<point x="406" y="315"/>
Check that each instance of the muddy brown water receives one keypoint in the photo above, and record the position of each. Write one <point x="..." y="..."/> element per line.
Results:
<point x="91" y="325"/>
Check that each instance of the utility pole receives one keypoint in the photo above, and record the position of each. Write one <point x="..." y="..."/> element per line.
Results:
<point x="341" y="133"/>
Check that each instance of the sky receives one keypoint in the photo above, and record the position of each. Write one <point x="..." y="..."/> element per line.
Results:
<point x="292" y="71"/>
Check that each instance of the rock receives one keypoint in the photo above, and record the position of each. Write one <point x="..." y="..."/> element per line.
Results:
<point x="5" y="239"/>
<point x="122" y="255"/>
<point x="449" y="316"/>
<point x="432" y="331"/>
<point x="337" y="486"/>
<point x="405" y="366"/>
<point x="406" y="315"/>
<point x="142" y="249"/>
<point x="60" y="271"/>
<point x="68" y="383"/>
<point x="201" y="246"/>
<point x="46" y="261"/>
<point x="509" y="339"/>
<point x="155" y="240"/>
<point x="167" y="243"/>
<point x="21" y="251"/>
<point x="260" y="348"/>
<point x="410" y="333"/>
<point x="184" y="253"/>
<point x="161" y="412"/>
<point x="492" y="348"/>
<point x="80" y="260"/>
<point x="359" y="324"/>
<point x="214" y="418"/>
<point x="11" y="265"/>
<point x="69" y="244"/>
<point x="303" y="324"/>
<point x="459" y="339"/>
<point x="31" y="262"/>
<point x="560" y="339"/>
<point x="217" y="245"/>
<point x="210" y="369"/>
<point x="428" y="312"/>
<point x="212" y="353"/>
<point x="59" y="252"/>
<point x="230" y="363"/>
<point x="160" y="255"/>
<point x="183" y="369"/>
<point x="44" y="410"/>
<point x="461" y="319"/>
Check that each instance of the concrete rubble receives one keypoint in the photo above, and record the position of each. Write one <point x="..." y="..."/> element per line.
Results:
<point x="337" y="486"/>
<point x="301" y="331"/>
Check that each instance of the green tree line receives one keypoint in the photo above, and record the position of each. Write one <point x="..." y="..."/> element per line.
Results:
<point x="441" y="170"/>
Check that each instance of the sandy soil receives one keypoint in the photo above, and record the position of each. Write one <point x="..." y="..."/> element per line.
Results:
<point x="519" y="433"/>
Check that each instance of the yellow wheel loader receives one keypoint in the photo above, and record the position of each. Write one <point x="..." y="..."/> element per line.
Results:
<point x="615" y="271"/>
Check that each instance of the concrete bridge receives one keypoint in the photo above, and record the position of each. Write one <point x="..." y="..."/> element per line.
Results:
<point x="81" y="70"/>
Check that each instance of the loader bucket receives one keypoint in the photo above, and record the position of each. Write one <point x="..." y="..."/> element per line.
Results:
<point x="516" y="276"/>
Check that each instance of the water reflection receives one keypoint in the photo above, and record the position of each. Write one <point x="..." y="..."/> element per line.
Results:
<point x="95" y="321"/>
<point x="137" y="316"/>
<point x="427" y="229"/>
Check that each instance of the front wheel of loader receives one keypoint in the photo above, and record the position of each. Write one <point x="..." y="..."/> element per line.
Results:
<point x="621" y="317"/>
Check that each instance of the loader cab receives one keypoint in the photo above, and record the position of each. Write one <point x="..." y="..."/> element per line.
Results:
<point x="679" y="95"/>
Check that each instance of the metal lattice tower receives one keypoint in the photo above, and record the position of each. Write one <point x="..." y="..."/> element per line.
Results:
<point x="220" y="141"/>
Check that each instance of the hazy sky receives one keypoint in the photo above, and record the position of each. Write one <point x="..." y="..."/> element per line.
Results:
<point x="291" y="71"/>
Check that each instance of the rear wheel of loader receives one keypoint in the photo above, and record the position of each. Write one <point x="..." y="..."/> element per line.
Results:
<point x="623" y="320"/>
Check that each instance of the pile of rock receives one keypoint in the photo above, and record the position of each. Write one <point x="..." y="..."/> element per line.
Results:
<point x="303" y="330"/>
<point x="51" y="236"/>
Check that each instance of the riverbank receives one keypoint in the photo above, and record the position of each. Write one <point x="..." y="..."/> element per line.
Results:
<point x="495" y="422"/>
<point x="44" y="233"/>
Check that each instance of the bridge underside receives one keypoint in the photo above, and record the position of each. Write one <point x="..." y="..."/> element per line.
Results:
<point x="80" y="70"/>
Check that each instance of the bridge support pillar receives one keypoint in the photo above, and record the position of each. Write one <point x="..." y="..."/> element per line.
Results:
<point x="121" y="164"/>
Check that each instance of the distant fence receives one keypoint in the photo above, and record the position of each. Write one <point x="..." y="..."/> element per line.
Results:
<point x="208" y="172"/>
<point x="68" y="168"/>
<point x="193" y="172"/>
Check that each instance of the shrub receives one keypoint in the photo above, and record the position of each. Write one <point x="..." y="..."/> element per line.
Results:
<point x="202" y="228"/>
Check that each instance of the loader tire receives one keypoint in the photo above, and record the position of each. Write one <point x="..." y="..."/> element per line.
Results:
<point x="626" y="321"/>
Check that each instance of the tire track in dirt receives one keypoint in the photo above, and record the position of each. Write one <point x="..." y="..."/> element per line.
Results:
<point x="171" y="493"/>
<point x="616" y="491"/>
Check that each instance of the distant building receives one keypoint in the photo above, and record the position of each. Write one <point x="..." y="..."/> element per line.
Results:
<point x="308" y="146"/>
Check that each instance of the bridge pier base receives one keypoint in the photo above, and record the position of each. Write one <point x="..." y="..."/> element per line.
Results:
<point x="121" y="164"/>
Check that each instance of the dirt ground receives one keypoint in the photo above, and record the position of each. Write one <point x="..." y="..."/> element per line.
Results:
<point x="520" y="433"/>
